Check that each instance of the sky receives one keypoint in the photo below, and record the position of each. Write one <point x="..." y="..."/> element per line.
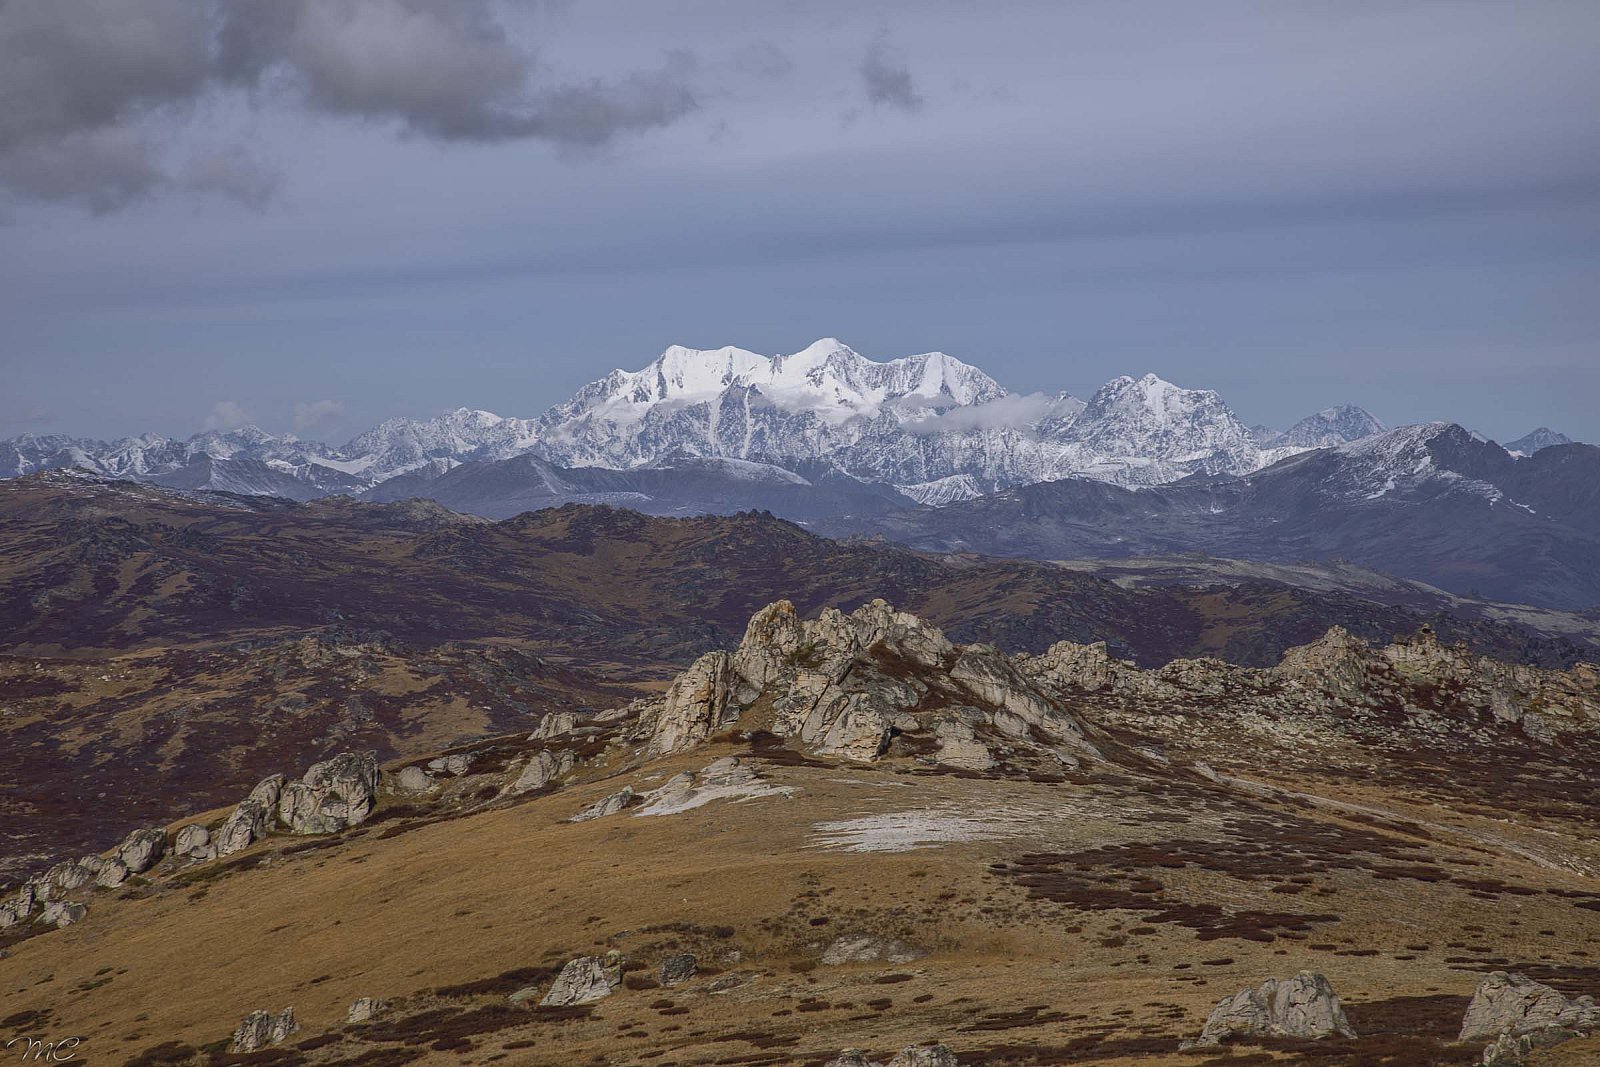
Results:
<point x="312" y="215"/>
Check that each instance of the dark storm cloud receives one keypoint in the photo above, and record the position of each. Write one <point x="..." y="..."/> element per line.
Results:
<point x="86" y="86"/>
<point x="442" y="68"/>
<point x="888" y="78"/>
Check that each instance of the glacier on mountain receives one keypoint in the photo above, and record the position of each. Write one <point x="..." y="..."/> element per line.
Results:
<point x="938" y="429"/>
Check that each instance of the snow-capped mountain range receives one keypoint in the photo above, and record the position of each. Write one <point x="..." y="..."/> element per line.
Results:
<point x="935" y="428"/>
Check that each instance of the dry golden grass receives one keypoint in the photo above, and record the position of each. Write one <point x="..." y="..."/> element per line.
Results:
<point x="749" y="889"/>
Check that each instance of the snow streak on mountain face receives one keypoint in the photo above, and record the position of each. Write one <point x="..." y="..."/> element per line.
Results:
<point x="940" y="429"/>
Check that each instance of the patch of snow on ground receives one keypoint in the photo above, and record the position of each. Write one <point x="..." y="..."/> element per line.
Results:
<point x="903" y="831"/>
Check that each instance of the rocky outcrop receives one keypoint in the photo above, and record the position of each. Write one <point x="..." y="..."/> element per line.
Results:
<point x="702" y="700"/>
<point x="260" y="1029"/>
<point x="678" y="968"/>
<point x="542" y="768"/>
<point x="333" y="795"/>
<point x="1517" y="1005"/>
<point x="845" y="685"/>
<point x="865" y="948"/>
<point x="555" y="724"/>
<point x="1304" y="1006"/>
<point x="364" y="1010"/>
<point x="193" y="842"/>
<point x="608" y="805"/>
<point x="61" y="913"/>
<point x="584" y="981"/>
<point x="109" y="873"/>
<point x="247" y="825"/>
<point x="142" y="849"/>
<point x="852" y="1057"/>
<point x="910" y="1056"/>
<point x="454" y="765"/>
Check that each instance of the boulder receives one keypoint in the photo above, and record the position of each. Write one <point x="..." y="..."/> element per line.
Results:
<point x="262" y="1028"/>
<point x="865" y="948"/>
<point x="365" y="1009"/>
<point x="350" y="779"/>
<point x="454" y="765"/>
<point x="331" y="795"/>
<point x="61" y="913"/>
<point x="62" y="879"/>
<point x="1303" y="1006"/>
<point x="192" y="842"/>
<point x="606" y="806"/>
<point x="142" y="849"/>
<point x="543" y="768"/>
<point x="14" y="911"/>
<point x="247" y="824"/>
<point x="413" y="780"/>
<point x="584" y="981"/>
<point x="112" y="873"/>
<point x="1517" y="1005"/>
<point x="678" y="968"/>
<point x="924" y="1056"/>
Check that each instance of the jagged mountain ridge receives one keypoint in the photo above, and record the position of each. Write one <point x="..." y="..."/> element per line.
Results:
<point x="1433" y="503"/>
<point x="938" y="428"/>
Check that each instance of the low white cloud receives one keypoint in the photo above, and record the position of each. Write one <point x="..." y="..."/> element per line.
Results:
<point x="227" y="415"/>
<point x="1014" y="412"/>
<point x="309" y="414"/>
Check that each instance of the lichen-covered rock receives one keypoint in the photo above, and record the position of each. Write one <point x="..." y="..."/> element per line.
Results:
<point x="845" y="685"/>
<point x="262" y="1028"/>
<point x="1303" y="1006"/>
<point x="331" y="796"/>
<point x="852" y="1057"/>
<point x="1516" y="1004"/>
<point x="701" y="701"/>
<point x="1067" y="665"/>
<point x="584" y="981"/>
<point x="1337" y="660"/>
<point x="351" y="780"/>
<point x="142" y="849"/>
<point x="678" y="968"/>
<point x="606" y="805"/>
<point x="924" y="1056"/>
<point x="267" y="790"/>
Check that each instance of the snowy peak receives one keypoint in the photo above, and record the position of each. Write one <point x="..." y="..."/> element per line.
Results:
<point x="1150" y="416"/>
<point x="1331" y="427"/>
<point x="826" y="378"/>
<point x="1543" y="437"/>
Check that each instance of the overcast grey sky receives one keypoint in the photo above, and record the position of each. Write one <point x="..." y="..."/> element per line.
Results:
<point x="315" y="214"/>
